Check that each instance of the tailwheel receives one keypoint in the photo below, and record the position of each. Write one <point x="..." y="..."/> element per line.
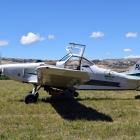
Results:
<point x="75" y="94"/>
<point x="137" y="97"/>
<point x="31" y="98"/>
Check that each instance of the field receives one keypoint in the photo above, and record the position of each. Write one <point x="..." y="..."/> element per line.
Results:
<point x="94" y="115"/>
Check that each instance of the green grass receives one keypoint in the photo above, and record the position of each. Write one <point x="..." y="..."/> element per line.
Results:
<point x="99" y="115"/>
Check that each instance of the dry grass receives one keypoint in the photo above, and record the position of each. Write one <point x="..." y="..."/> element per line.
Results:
<point x="100" y="115"/>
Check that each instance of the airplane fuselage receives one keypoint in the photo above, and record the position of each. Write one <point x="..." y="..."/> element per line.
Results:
<point x="25" y="72"/>
<point x="106" y="79"/>
<point x="99" y="78"/>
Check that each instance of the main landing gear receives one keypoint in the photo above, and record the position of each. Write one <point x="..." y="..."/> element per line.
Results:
<point x="69" y="93"/>
<point x="32" y="97"/>
<point x="57" y="93"/>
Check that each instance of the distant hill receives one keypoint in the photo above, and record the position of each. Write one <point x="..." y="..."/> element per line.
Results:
<point x="113" y="64"/>
<point x="119" y="65"/>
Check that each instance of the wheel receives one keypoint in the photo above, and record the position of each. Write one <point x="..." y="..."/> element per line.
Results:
<point x="30" y="98"/>
<point x="76" y="94"/>
<point x="137" y="97"/>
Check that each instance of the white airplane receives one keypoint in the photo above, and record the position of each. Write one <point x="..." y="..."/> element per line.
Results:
<point x="73" y="72"/>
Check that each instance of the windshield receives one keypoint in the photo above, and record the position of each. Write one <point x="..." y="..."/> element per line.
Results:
<point x="74" y="59"/>
<point x="75" y="62"/>
<point x="66" y="57"/>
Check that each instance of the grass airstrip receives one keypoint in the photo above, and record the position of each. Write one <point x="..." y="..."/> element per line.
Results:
<point x="94" y="115"/>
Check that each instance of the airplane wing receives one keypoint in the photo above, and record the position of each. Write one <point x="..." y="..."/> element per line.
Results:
<point x="60" y="77"/>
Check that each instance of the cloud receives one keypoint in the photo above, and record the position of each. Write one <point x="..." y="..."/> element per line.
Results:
<point x="132" y="56"/>
<point x="127" y="50"/>
<point x="31" y="38"/>
<point x="4" y="42"/>
<point x="131" y="35"/>
<point x="51" y="37"/>
<point x="96" y="35"/>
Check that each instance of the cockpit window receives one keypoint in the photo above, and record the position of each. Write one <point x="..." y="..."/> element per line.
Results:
<point x="76" y="63"/>
<point x="86" y="63"/>
<point x="73" y="63"/>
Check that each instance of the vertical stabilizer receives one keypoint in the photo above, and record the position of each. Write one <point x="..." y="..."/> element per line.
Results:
<point x="135" y="70"/>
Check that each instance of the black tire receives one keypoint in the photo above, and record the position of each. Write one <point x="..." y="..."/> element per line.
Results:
<point x="137" y="97"/>
<point x="75" y="94"/>
<point x="30" y="98"/>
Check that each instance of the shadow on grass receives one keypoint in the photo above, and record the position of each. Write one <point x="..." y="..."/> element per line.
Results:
<point x="103" y="98"/>
<point x="71" y="109"/>
<point x="93" y="98"/>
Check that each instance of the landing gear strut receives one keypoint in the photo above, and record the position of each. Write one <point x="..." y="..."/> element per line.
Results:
<point x="32" y="97"/>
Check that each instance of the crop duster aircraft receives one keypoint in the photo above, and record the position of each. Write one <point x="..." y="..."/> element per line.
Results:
<point x="73" y="72"/>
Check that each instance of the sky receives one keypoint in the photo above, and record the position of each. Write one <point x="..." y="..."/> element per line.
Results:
<point x="42" y="29"/>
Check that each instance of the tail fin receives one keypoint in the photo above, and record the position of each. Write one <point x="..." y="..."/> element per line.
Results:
<point x="135" y="70"/>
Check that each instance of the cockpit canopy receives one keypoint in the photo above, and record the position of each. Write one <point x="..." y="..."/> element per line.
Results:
<point x="74" y="59"/>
